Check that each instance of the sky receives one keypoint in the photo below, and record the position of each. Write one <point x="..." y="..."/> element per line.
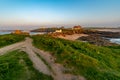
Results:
<point x="31" y="14"/>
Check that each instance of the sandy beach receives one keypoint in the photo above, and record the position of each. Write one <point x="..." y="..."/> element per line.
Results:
<point x="72" y="37"/>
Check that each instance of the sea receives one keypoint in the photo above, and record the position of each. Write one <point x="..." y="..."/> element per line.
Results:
<point x="4" y="32"/>
<point x="113" y="40"/>
<point x="31" y="33"/>
<point x="35" y="33"/>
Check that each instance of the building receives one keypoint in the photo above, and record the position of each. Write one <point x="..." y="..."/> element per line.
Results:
<point x="58" y="31"/>
<point x="77" y="27"/>
<point x="17" y="32"/>
<point x="20" y="32"/>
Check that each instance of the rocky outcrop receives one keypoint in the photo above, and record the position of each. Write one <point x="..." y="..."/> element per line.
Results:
<point x="106" y="34"/>
<point x="96" y="40"/>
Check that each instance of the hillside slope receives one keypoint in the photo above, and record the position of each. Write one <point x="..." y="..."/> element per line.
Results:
<point x="92" y="62"/>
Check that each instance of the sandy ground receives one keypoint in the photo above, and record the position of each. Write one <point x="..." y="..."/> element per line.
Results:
<point x="72" y="37"/>
<point x="56" y="70"/>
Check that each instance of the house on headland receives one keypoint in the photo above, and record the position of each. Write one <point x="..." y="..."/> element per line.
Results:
<point x="20" y="32"/>
<point x="77" y="27"/>
<point x="58" y="31"/>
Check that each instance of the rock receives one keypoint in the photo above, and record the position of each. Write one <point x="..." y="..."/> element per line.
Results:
<point x="96" y="40"/>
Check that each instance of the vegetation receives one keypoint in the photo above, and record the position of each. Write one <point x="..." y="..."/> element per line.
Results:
<point x="93" y="62"/>
<point x="10" y="38"/>
<point x="17" y="66"/>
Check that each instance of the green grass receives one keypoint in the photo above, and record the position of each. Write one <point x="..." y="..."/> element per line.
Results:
<point x="10" y="39"/>
<point x="92" y="62"/>
<point x="17" y="66"/>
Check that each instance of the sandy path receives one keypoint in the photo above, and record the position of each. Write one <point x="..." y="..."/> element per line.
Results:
<point x="26" y="46"/>
<point x="57" y="73"/>
<point x="56" y="70"/>
<point x="11" y="47"/>
<point x="38" y="63"/>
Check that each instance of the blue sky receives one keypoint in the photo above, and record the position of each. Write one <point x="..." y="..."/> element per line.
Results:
<point x="29" y="13"/>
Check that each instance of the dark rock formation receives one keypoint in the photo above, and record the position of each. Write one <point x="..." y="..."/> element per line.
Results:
<point x="103" y="33"/>
<point x="96" y="40"/>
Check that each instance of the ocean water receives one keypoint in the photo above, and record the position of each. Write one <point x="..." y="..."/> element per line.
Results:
<point x="2" y="33"/>
<point x="35" y="33"/>
<point x="31" y="33"/>
<point x="115" y="40"/>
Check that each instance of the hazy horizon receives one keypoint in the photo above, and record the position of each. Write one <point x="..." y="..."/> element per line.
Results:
<point x="32" y="14"/>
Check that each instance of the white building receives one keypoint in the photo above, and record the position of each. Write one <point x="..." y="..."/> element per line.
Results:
<point x="58" y="31"/>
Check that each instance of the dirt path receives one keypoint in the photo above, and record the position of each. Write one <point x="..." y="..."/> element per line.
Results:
<point x="26" y="46"/>
<point x="38" y="63"/>
<point x="53" y="69"/>
<point x="56" y="69"/>
<point x="11" y="47"/>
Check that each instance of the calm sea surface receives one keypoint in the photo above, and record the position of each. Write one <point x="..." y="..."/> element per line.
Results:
<point x="2" y="33"/>
<point x="35" y="33"/>
<point x="31" y="33"/>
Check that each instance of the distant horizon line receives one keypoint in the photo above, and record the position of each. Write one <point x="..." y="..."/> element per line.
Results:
<point x="100" y="27"/>
<point x="59" y="26"/>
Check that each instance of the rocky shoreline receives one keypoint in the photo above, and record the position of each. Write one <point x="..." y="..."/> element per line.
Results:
<point x="99" y="38"/>
<point x="106" y="34"/>
<point x="96" y="40"/>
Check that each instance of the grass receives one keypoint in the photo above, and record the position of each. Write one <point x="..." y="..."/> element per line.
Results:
<point x="10" y="39"/>
<point x="92" y="62"/>
<point x="17" y="66"/>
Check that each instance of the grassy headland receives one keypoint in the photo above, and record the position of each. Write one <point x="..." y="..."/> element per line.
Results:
<point x="93" y="62"/>
<point x="10" y="39"/>
<point x="17" y="66"/>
